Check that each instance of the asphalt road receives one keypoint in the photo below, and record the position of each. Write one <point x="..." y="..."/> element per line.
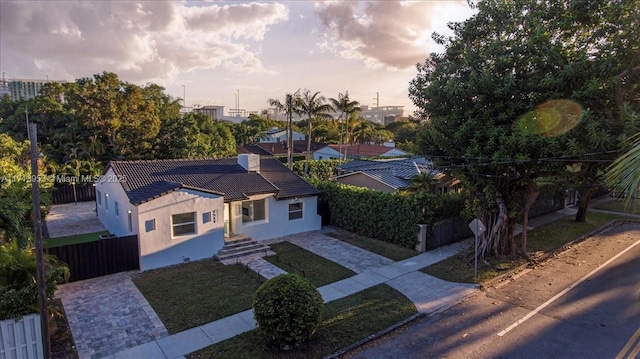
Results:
<point x="583" y="303"/>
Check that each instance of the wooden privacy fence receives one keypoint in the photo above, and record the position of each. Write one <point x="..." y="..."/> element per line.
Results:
<point x="65" y="193"/>
<point x="98" y="258"/>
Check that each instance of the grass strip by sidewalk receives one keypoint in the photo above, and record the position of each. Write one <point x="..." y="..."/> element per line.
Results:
<point x="459" y="268"/>
<point x="617" y="206"/>
<point x="385" y="249"/>
<point x="196" y="293"/>
<point x="345" y="322"/>
<point x="79" y="238"/>
<point x="318" y="270"/>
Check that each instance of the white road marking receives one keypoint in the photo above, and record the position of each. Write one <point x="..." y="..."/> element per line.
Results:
<point x="543" y="305"/>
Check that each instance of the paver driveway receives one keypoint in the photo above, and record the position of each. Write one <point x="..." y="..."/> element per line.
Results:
<point x="73" y="218"/>
<point x="108" y="315"/>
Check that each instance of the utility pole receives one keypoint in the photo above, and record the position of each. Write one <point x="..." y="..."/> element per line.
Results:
<point x="184" y="97"/>
<point x="289" y="131"/>
<point x="37" y="227"/>
<point x="378" y="107"/>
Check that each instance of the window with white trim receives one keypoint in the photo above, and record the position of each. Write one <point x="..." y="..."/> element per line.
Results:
<point x="295" y="211"/>
<point x="99" y="198"/>
<point x="183" y="224"/>
<point x="253" y="210"/>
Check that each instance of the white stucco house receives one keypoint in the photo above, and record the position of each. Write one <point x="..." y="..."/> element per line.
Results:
<point x="185" y="209"/>
<point x="277" y="135"/>
<point x="332" y="152"/>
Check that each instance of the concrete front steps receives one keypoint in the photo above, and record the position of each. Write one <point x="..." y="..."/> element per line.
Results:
<point x="242" y="246"/>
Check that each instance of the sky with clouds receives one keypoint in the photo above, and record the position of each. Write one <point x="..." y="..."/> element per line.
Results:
<point x="207" y="51"/>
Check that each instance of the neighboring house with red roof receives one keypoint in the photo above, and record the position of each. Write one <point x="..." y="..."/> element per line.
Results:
<point x="356" y="151"/>
<point x="185" y="209"/>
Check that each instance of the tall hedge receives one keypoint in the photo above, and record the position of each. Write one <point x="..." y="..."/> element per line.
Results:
<point x="390" y="217"/>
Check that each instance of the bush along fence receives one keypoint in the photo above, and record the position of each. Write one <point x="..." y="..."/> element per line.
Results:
<point x="389" y="217"/>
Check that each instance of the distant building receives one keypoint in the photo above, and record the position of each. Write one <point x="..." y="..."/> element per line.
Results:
<point x="277" y="135"/>
<point x="216" y="113"/>
<point x="331" y="152"/>
<point x="395" y="174"/>
<point x="20" y="89"/>
<point x="382" y="115"/>
<point x="279" y="149"/>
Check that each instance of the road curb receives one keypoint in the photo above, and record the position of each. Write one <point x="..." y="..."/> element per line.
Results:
<point x="554" y="252"/>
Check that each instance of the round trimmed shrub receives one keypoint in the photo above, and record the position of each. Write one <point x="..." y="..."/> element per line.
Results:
<point x="288" y="308"/>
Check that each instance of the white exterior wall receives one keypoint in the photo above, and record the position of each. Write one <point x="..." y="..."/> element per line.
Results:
<point x="277" y="223"/>
<point x="326" y="153"/>
<point x="159" y="248"/>
<point x="115" y="224"/>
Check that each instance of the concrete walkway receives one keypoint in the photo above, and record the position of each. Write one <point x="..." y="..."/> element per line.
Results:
<point x="428" y="294"/>
<point x="343" y="253"/>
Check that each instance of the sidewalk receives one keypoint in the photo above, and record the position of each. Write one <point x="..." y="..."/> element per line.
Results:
<point x="428" y="293"/>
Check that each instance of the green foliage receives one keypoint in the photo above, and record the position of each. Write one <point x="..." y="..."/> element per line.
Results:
<point x="288" y="308"/>
<point x="318" y="170"/>
<point x="499" y="67"/>
<point x="18" y="287"/>
<point x="389" y="217"/>
<point x="624" y="174"/>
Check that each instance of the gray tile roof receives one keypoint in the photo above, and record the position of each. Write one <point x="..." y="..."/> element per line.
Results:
<point x="395" y="173"/>
<point x="146" y="180"/>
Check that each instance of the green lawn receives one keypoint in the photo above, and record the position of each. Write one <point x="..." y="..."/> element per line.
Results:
<point x="385" y="249"/>
<point x="617" y="206"/>
<point x="318" y="270"/>
<point x="345" y="322"/>
<point x="192" y="294"/>
<point x="80" y="238"/>
<point x="459" y="268"/>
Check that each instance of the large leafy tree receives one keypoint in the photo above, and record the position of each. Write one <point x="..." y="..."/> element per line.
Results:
<point x="492" y="100"/>
<point x="124" y="117"/>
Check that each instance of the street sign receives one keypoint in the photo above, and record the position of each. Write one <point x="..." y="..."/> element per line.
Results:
<point x="477" y="227"/>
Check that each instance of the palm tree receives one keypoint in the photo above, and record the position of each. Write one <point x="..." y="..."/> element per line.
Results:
<point x="624" y="173"/>
<point x="422" y="182"/>
<point x="347" y="109"/>
<point x="288" y="108"/>
<point x="314" y="106"/>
